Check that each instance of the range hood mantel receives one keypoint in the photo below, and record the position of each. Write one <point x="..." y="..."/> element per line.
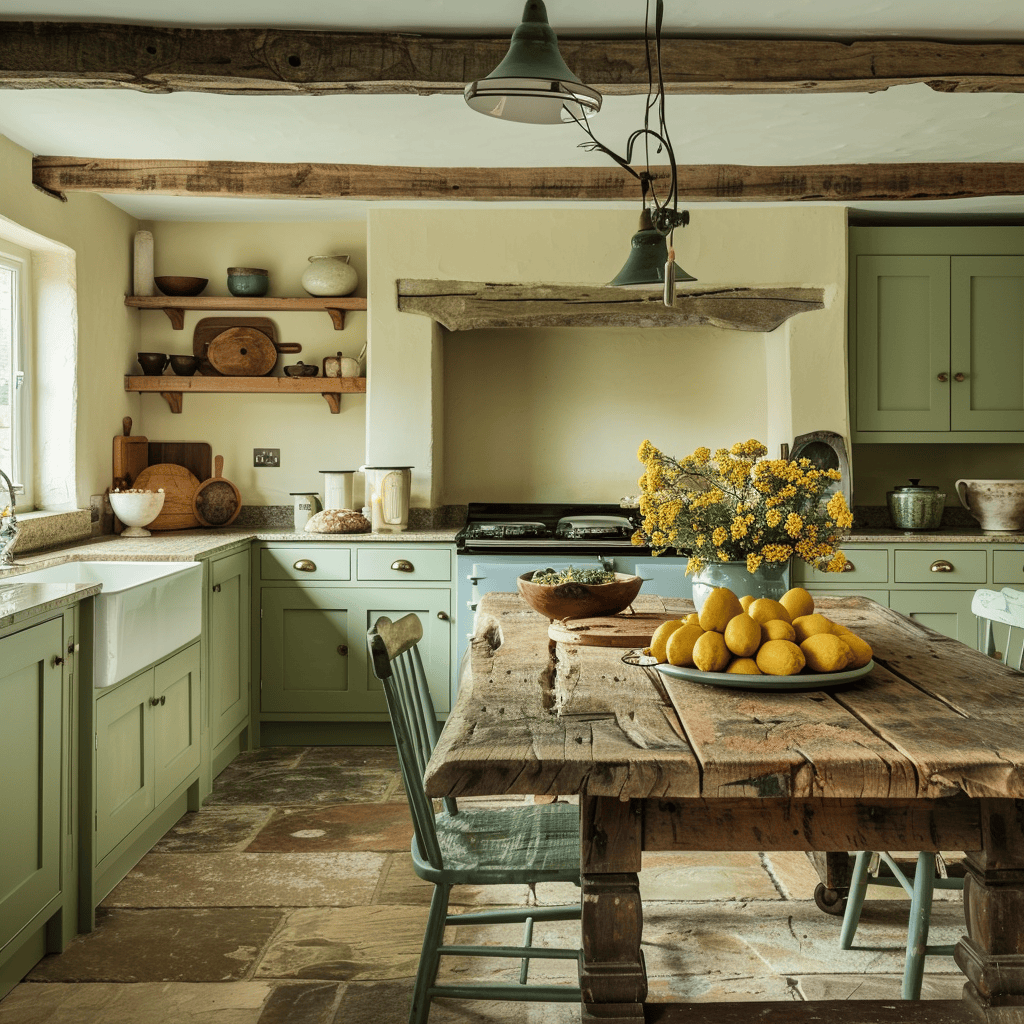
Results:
<point x="468" y="305"/>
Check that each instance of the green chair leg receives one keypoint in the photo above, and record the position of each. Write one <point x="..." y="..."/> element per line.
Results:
<point x="430" y="956"/>
<point x="855" y="899"/>
<point x="920" y="919"/>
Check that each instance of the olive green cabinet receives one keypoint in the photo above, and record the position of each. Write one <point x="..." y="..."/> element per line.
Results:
<point x="946" y="611"/>
<point x="227" y="638"/>
<point x="937" y="334"/>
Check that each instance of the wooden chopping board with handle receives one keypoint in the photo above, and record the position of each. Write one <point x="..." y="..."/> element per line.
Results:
<point x="242" y="352"/>
<point x="195" y="456"/>
<point x="622" y="630"/>
<point x="131" y="456"/>
<point x="179" y="487"/>
<point x="209" y="327"/>
<point x="217" y="501"/>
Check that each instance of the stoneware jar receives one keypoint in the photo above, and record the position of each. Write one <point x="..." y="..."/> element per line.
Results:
<point x="915" y="507"/>
<point x="996" y="504"/>
<point x="329" y="275"/>
<point x="248" y="281"/>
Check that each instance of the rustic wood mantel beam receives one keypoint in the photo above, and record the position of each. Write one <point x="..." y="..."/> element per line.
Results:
<point x="697" y="183"/>
<point x="255" y="61"/>
<point x="469" y="305"/>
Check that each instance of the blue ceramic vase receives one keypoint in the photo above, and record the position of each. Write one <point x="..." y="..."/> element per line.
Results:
<point x="769" y="580"/>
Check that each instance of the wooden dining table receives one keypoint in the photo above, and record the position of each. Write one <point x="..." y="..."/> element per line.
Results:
<point x="925" y="753"/>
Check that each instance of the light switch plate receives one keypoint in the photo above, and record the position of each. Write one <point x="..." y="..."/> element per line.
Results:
<point x="266" y="456"/>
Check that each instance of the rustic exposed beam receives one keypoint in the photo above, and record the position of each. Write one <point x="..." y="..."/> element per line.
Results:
<point x="697" y="183"/>
<point x="51" y="55"/>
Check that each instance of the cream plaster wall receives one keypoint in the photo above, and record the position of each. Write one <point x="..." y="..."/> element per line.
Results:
<point x="310" y="438"/>
<point x="556" y="414"/>
<point x="99" y="235"/>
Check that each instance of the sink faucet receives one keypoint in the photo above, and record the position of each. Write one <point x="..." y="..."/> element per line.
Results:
<point x="8" y="533"/>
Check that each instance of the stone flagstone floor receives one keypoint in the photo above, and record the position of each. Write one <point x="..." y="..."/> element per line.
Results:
<point x="290" y="898"/>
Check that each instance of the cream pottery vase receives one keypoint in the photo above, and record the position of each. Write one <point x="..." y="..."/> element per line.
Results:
<point x="329" y="275"/>
<point x="996" y="504"/>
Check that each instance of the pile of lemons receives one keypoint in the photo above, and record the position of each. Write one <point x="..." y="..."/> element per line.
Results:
<point x="759" y="636"/>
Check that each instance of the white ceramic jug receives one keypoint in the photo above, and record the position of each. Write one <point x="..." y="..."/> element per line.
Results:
<point x="996" y="504"/>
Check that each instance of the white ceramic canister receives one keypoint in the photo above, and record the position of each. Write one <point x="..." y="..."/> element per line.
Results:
<point x="387" y="497"/>
<point x="307" y="504"/>
<point x="338" y="487"/>
<point x="329" y="275"/>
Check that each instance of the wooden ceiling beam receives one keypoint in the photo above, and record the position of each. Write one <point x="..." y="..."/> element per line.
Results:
<point x="63" y="55"/>
<point x="697" y="183"/>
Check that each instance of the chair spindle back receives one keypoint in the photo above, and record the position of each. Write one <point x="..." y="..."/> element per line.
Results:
<point x="1005" y="607"/>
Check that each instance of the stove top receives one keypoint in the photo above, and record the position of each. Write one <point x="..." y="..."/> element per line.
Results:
<point x="545" y="525"/>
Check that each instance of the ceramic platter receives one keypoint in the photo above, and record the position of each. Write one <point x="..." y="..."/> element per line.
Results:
<point x="804" y="681"/>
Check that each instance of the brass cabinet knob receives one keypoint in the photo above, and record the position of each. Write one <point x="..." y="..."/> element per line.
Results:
<point x="216" y="588"/>
<point x="402" y="565"/>
<point x="305" y="565"/>
<point x="944" y="377"/>
<point x="443" y="616"/>
<point x="941" y="566"/>
<point x="154" y="701"/>
<point x="343" y="650"/>
<point x="56" y="660"/>
<point x="849" y="567"/>
<point x="959" y="377"/>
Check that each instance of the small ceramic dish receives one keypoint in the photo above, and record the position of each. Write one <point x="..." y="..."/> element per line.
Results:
<point x="181" y="285"/>
<point x="184" y="366"/>
<point x="152" y="363"/>
<point x="301" y="369"/>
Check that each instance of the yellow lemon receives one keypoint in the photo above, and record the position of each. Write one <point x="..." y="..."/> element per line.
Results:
<point x="742" y="636"/>
<point x="680" y="645"/>
<point x="719" y="607"/>
<point x="691" y="620"/>
<point x="660" y="639"/>
<point x="710" y="653"/>
<point x="825" y="652"/>
<point x="764" y="609"/>
<point x="859" y="648"/>
<point x="780" y="658"/>
<point x="839" y="630"/>
<point x="744" y="667"/>
<point x="746" y="601"/>
<point x="777" y="629"/>
<point x="797" y="602"/>
<point x="809" y="625"/>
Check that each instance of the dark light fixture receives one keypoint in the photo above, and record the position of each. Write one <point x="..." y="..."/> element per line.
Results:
<point x="649" y="261"/>
<point x="533" y="84"/>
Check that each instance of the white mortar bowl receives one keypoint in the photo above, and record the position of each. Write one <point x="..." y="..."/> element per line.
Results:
<point x="998" y="505"/>
<point x="136" y="509"/>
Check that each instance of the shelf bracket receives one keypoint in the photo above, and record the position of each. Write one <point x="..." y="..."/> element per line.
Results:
<point x="334" y="401"/>
<point x="338" y="318"/>
<point x="177" y="318"/>
<point x="173" y="399"/>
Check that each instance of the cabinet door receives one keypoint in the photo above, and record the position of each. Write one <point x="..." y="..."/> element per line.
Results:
<point x="902" y="342"/>
<point x="880" y="596"/>
<point x="309" y="638"/>
<point x="228" y="639"/>
<point x="434" y="610"/>
<point x="175" y="714"/>
<point x="987" y="342"/>
<point x="946" y="611"/>
<point x="124" y="761"/>
<point x="30" y="766"/>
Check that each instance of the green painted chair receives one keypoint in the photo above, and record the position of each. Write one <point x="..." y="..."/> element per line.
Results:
<point x="527" y="844"/>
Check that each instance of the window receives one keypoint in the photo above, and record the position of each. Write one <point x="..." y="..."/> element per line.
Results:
<point x="15" y="421"/>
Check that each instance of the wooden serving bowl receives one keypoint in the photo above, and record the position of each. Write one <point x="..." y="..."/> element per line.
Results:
<point x="579" y="600"/>
<point x="186" y="286"/>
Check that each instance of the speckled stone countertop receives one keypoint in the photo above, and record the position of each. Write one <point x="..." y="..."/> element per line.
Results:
<point x="19" y="601"/>
<point x="943" y="535"/>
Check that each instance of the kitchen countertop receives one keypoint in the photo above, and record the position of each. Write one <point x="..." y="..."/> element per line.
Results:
<point x="19" y="601"/>
<point x="944" y="535"/>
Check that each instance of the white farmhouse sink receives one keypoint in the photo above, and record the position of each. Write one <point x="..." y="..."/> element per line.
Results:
<point x="145" y="610"/>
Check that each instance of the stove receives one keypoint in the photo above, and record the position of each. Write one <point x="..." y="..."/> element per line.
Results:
<point x="555" y="527"/>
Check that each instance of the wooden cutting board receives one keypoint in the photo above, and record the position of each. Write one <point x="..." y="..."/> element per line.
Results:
<point x="622" y="630"/>
<point x="195" y="456"/>
<point x="242" y="352"/>
<point x="130" y="458"/>
<point x="179" y="487"/>
<point x="210" y="326"/>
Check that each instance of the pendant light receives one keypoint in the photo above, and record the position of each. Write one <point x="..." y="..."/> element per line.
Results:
<point x="533" y="84"/>
<point x="648" y="262"/>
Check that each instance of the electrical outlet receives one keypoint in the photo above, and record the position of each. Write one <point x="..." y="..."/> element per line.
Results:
<point x="266" y="456"/>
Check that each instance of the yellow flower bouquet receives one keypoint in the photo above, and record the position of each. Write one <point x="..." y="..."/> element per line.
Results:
<point x="737" y="505"/>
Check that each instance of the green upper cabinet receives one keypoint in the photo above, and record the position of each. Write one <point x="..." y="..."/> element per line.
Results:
<point x="937" y="334"/>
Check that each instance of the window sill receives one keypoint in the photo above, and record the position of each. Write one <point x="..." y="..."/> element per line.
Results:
<point x="47" y="529"/>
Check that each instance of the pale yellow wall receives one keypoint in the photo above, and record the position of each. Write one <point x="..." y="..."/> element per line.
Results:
<point x="100" y="235"/>
<point x="310" y="438"/>
<point x="545" y="415"/>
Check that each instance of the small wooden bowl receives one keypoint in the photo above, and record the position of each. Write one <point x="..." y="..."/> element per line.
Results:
<point x="301" y="369"/>
<point x="579" y="600"/>
<point x="181" y="285"/>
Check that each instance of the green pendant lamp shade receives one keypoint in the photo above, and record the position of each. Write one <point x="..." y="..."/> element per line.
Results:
<point x="532" y="84"/>
<point x="647" y="258"/>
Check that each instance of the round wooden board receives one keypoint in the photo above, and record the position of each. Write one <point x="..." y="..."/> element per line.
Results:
<point x="179" y="487"/>
<point x="622" y="630"/>
<point x="242" y="352"/>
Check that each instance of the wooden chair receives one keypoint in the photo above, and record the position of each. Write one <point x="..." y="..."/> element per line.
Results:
<point x="1006" y="607"/>
<point x="531" y="843"/>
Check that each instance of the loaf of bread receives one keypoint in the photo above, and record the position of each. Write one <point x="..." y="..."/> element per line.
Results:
<point x="338" y="520"/>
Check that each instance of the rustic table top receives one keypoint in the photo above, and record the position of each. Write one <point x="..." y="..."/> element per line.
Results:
<point x="933" y="719"/>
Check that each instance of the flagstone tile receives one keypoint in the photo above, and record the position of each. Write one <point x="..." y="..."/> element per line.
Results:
<point x="401" y="884"/>
<point x="314" y="784"/>
<point x="164" y="945"/>
<point x="249" y="880"/>
<point x="354" y="757"/>
<point x="794" y="873"/>
<point x="877" y="986"/>
<point x="381" y="828"/>
<point x="699" y="876"/>
<point x="164" y="1002"/>
<point x="353" y="944"/>
<point x="702" y="988"/>
<point x="311" y="1002"/>
<point x="214" y="830"/>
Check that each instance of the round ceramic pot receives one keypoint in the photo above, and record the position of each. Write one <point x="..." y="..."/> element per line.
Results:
<point x="768" y="581"/>
<point x="248" y="281"/>
<point x="914" y="507"/>
<point x="996" y="504"/>
<point x="329" y="275"/>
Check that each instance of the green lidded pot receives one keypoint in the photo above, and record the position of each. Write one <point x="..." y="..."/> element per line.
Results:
<point x="915" y="507"/>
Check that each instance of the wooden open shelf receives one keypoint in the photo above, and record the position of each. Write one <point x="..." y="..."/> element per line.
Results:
<point x="175" y="306"/>
<point x="172" y="388"/>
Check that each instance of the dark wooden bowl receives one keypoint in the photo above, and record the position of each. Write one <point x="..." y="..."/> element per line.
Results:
<point x="579" y="600"/>
<point x="181" y="285"/>
<point x="302" y="370"/>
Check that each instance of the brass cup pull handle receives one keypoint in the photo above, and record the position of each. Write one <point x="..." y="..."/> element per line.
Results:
<point x="944" y="378"/>
<point x="959" y="377"/>
<point x="305" y="565"/>
<point x="849" y="567"/>
<point x="402" y="565"/>
<point x="941" y="566"/>
<point x="343" y="650"/>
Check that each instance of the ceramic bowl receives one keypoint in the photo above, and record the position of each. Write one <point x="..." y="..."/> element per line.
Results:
<point x="248" y="281"/>
<point x="579" y="600"/>
<point x="301" y="369"/>
<point x="152" y="363"/>
<point x="184" y="366"/>
<point x="181" y="285"/>
<point x="136" y="509"/>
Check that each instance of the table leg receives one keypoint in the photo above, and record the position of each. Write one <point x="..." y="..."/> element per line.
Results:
<point x="613" y="978"/>
<point x="992" y="954"/>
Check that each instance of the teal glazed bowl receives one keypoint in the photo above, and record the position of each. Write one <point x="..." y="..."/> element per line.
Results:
<point x="251" y="282"/>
